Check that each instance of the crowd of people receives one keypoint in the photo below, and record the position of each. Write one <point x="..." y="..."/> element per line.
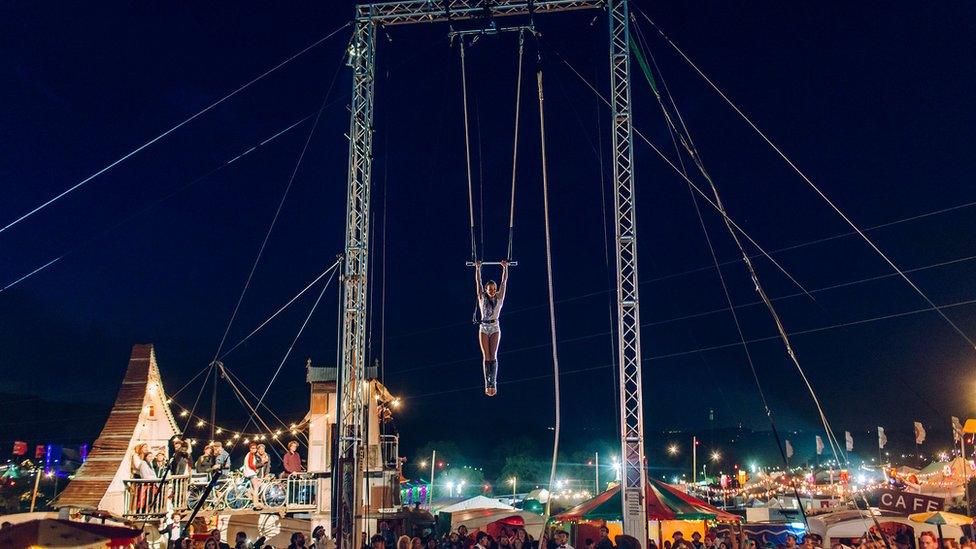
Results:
<point x="256" y="463"/>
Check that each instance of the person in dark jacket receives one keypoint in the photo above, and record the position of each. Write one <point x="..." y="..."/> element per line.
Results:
<point x="604" y="541"/>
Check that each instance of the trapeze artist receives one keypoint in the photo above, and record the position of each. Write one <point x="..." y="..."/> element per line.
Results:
<point x="491" y="297"/>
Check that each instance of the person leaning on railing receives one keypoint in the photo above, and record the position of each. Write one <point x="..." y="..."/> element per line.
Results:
<point x="141" y="468"/>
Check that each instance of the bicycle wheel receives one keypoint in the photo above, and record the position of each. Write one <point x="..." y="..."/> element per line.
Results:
<point x="193" y="494"/>
<point x="273" y="494"/>
<point x="239" y="495"/>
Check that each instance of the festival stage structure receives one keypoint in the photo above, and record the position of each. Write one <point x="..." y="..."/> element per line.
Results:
<point x="362" y="59"/>
<point x="141" y="414"/>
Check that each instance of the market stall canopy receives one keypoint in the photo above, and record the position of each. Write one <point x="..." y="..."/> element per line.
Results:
<point x="477" y="502"/>
<point x="941" y="517"/>
<point x="663" y="502"/>
<point x="852" y="524"/>
<point x="66" y="533"/>
<point x="481" y="519"/>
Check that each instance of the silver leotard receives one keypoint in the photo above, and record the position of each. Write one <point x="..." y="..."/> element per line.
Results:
<point x="490" y="310"/>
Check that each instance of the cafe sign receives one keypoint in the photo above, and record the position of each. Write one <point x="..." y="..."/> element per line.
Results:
<point x="906" y="502"/>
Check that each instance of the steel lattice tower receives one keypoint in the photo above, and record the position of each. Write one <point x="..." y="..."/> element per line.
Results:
<point x="362" y="51"/>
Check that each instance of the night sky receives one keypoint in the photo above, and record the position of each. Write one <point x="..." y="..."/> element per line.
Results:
<point x="873" y="102"/>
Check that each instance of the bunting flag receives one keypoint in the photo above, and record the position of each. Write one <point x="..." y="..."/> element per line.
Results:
<point x="789" y="450"/>
<point x="849" y="440"/>
<point x="882" y="439"/>
<point x="820" y="445"/>
<point x="956" y="429"/>
<point x="919" y="433"/>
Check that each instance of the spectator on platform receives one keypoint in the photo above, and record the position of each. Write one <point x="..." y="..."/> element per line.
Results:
<point x="180" y="464"/>
<point x="159" y="464"/>
<point x="221" y="457"/>
<point x="141" y="462"/>
<point x="240" y="540"/>
<point x="292" y="463"/>
<point x="696" y="540"/>
<point x="377" y="542"/>
<point x="252" y="463"/>
<point x="205" y="463"/>
<point x="263" y="461"/>
<point x="403" y="542"/>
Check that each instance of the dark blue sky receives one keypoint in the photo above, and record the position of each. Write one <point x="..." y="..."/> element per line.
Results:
<point x="873" y="102"/>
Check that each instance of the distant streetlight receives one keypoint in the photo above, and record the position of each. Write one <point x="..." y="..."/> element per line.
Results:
<point x="514" y="482"/>
<point x="673" y="450"/>
<point x="716" y="455"/>
<point x="450" y="486"/>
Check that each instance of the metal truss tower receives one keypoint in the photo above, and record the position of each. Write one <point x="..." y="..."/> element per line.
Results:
<point x="362" y="51"/>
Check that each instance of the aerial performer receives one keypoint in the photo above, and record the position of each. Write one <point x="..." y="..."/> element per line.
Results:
<point x="491" y="297"/>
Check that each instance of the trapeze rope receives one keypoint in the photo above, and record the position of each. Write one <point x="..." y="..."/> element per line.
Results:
<point x="467" y="151"/>
<point x="812" y="185"/>
<point x="518" y="103"/>
<point x="171" y="130"/>
<point x="552" y="306"/>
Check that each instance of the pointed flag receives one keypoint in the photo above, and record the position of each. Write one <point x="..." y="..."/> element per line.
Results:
<point x="850" y="441"/>
<point x="820" y="445"/>
<point x="956" y="429"/>
<point x="882" y="439"/>
<point x="919" y="433"/>
<point x="789" y="450"/>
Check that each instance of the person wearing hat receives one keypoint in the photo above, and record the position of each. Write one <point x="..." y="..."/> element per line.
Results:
<point x="679" y="541"/>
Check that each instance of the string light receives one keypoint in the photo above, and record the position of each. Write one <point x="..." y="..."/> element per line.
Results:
<point x="269" y="435"/>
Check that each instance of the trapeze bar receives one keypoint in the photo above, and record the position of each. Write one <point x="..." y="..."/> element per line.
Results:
<point x="510" y="263"/>
<point x="492" y="30"/>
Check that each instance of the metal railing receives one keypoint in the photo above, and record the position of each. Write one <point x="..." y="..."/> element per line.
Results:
<point x="146" y="498"/>
<point x="302" y="490"/>
<point x="389" y="450"/>
<point x="151" y="498"/>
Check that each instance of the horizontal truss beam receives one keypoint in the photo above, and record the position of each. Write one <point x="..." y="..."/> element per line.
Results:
<point x="432" y="11"/>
